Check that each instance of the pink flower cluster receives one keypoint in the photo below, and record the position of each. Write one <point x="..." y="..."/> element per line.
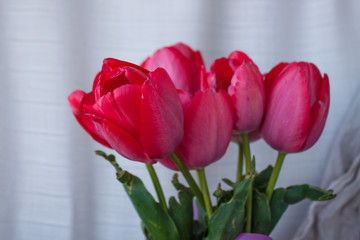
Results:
<point x="171" y="103"/>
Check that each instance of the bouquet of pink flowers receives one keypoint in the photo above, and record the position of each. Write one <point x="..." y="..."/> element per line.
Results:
<point x="173" y="111"/>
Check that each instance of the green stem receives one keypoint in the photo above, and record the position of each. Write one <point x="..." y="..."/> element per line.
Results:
<point x="205" y="191"/>
<point x="274" y="175"/>
<point x="240" y="163"/>
<point x="247" y="153"/>
<point x="157" y="186"/>
<point x="249" y="209"/>
<point x="189" y="179"/>
<point x="248" y="168"/>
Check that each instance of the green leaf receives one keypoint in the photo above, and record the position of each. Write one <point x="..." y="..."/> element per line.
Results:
<point x="200" y="227"/>
<point x="261" y="180"/>
<point x="281" y="198"/>
<point x="318" y="194"/>
<point x="222" y="196"/>
<point x="180" y="187"/>
<point x="156" y="221"/>
<point x="146" y="232"/>
<point x="228" y="182"/>
<point x="199" y="231"/>
<point x="297" y="193"/>
<point x="226" y="222"/>
<point x="182" y="212"/>
<point x="261" y="214"/>
<point x="201" y="214"/>
<point x="277" y="207"/>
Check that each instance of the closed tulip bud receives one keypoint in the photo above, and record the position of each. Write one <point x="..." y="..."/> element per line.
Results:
<point x="136" y="112"/>
<point x="239" y="75"/>
<point x="208" y="123"/>
<point x="183" y="65"/>
<point x="247" y="93"/>
<point x="208" y="114"/>
<point x="298" y="100"/>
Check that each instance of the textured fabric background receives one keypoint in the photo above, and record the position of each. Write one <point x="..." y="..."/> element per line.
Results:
<point x="339" y="219"/>
<point x="52" y="186"/>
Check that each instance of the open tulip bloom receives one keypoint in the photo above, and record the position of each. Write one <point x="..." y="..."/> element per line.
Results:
<point x="171" y="110"/>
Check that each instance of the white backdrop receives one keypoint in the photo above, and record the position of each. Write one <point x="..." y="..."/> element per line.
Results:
<point x="52" y="186"/>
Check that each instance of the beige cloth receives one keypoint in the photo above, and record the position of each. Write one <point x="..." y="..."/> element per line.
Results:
<point x="340" y="217"/>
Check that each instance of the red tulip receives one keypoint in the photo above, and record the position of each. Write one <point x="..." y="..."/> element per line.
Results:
<point x="136" y="112"/>
<point x="208" y="123"/>
<point x="297" y="106"/>
<point x="182" y="64"/>
<point x="239" y="75"/>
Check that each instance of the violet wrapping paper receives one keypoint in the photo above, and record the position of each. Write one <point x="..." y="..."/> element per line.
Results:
<point x="252" y="236"/>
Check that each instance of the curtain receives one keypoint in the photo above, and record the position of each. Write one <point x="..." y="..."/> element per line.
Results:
<point x="52" y="186"/>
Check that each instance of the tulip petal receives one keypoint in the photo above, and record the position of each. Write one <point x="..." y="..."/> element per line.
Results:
<point x="204" y="84"/>
<point x="128" y="102"/>
<point x="185" y="99"/>
<point x="313" y="76"/>
<point x="185" y="50"/>
<point x="134" y="75"/>
<point x="196" y="62"/>
<point x="108" y="81"/>
<point x="220" y="74"/>
<point x="111" y="63"/>
<point x="168" y="162"/>
<point x="76" y="100"/>
<point x="236" y="58"/>
<point x="247" y="93"/>
<point x="116" y="73"/>
<point x="207" y="129"/>
<point x="319" y="114"/>
<point x="288" y="111"/>
<point x="122" y="142"/>
<point x="161" y="115"/>
<point x="194" y="57"/>
<point x="121" y="107"/>
<point x="177" y="66"/>
<point x="271" y="76"/>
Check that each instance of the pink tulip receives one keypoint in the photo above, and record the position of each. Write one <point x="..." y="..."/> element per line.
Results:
<point x="297" y="106"/>
<point x="239" y="75"/>
<point x="136" y="112"/>
<point x="208" y="123"/>
<point x="223" y="69"/>
<point x="182" y="64"/>
<point x="208" y="115"/>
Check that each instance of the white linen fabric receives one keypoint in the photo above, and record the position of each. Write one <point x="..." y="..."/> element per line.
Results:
<point x="52" y="186"/>
<point x="339" y="218"/>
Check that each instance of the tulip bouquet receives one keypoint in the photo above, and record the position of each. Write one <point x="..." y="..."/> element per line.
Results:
<point x="173" y="111"/>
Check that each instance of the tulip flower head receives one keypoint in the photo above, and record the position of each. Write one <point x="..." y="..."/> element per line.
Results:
<point x="208" y="115"/>
<point x="183" y="65"/>
<point x="241" y="78"/>
<point x="298" y="100"/>
<point x="208" y="123"/>
<point x="136" y="112"/>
